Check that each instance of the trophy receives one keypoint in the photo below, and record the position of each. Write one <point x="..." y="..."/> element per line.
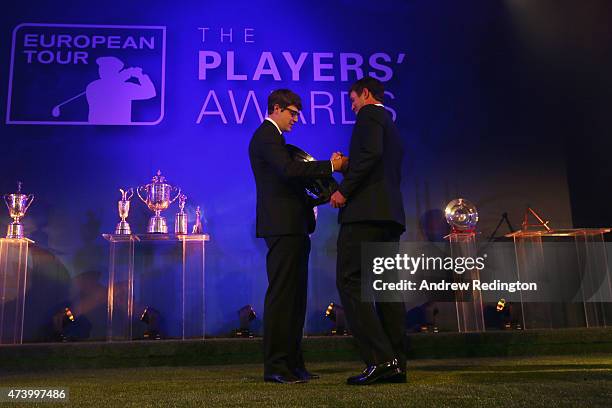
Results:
<point x="461" y="215"/>
<point x="197" y="227"/>
<point x="17" y="204"/>
<point x="180" y="220"/>
<point x="157" y="198"/>
<point x="319" y="189"/>
<point x="123" y="228"/>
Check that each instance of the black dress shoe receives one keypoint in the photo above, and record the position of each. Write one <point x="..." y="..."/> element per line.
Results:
<point x="375" y="373"/>
<point x="397" y="378"/>
<point x="305" y="375"/>
<point x="356" y="377"/>
<point x="281" y="379"/>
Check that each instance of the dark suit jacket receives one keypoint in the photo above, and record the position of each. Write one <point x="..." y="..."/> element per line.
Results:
<point x="283" y="207"/>
<point x="372" y="182"/>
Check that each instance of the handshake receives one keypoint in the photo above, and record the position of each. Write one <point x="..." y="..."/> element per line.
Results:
<point x="339" y="162"/>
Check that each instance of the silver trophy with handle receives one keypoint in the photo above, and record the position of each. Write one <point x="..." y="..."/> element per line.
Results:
<point x="157" y="196"/>
<point x="17" y="204"/>
<point x="123" y="228"/>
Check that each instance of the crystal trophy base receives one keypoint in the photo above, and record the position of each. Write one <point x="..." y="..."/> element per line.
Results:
<point x="123" y="228"/>
<point x="15" y="230"/>
<point x="157" y="225"/>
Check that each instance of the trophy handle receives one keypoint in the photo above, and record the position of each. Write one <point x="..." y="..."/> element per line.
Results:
<point x="30" y="201"/>
<point x="130" y="195"/>
<point x="8" y="205"/>
<point x="138" y="192"/>
<point x="177" y="194"/>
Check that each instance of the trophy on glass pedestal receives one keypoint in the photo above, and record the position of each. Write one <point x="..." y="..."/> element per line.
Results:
<point x="180" y="220"/>
<point x="462" y="216"/>
<point x="123" y="228"/>
<point x="17" y="204"/>
<point x="157" y="198"/>
<point x="197" y="227"/>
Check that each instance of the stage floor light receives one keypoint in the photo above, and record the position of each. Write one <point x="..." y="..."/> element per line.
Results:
<point x="246" y="315"/>
<point x="335" y="313"/>
<point x="151" y="317"/>
<point x="64" y="323"/>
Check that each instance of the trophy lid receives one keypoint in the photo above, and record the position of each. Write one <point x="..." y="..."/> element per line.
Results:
<point x="461" y="215"/>
<point x="18" y="193"/>
<point x="158" y="178"/>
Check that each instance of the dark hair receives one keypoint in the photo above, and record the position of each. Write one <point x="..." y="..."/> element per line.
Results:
<point x="376" y="88"/>
<point x="283" y="98"/>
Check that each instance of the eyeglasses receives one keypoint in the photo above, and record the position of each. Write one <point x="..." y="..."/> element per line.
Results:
<point x="293" y="112"/>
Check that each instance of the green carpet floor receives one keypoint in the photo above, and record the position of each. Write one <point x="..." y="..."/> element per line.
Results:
<point x="584" y="381"/>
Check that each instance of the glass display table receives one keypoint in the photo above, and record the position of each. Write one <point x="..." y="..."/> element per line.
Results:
<point x="13" y="281"/>
<point x="156" y="286"/>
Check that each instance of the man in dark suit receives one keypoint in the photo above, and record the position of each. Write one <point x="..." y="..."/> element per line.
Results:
<point x="371" y="211"/>
<point x="285" y="218"/>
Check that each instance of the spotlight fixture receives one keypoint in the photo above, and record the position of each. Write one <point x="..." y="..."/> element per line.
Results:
<point x="504" y="308"/>
<point x="504" y="312"/>
<point x="68" y="314"/>
<point x="434" y="313"/>
<point x="151" y="318"/>
<point x="422" y="318"/>
<point x="335" y="313"/>
<point x="246" y="315"/>
<point x="430" y="325"/>
<point x="64" y="324"/>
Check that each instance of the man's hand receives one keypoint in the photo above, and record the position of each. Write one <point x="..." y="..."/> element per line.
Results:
<point x="345" y="162"/>
<point x="338" y="161"/>
<point x="337" y="200"/>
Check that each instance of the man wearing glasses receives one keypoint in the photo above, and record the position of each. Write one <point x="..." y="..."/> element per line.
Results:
<point x="285" y="218"/>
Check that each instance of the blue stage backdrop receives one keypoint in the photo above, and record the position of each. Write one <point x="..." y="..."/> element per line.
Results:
<point x="471" y="105"/>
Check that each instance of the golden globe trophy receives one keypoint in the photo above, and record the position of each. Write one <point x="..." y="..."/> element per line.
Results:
<point x="17" y="204"/>
<point x="462" y="216"/>
<point x="156" y="196"/>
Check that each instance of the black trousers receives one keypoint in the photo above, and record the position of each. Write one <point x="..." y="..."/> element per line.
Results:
<point x="285" y="303"/>
<point x="378" y="328"/>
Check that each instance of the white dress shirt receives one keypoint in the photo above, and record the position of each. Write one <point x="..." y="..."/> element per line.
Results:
<point x="279" y="131"/>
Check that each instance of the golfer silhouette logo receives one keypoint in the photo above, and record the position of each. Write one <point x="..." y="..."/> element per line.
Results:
<point x="110" y="97"/>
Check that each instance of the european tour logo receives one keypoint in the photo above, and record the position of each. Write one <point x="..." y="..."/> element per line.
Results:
<point x="75" y="74"/>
